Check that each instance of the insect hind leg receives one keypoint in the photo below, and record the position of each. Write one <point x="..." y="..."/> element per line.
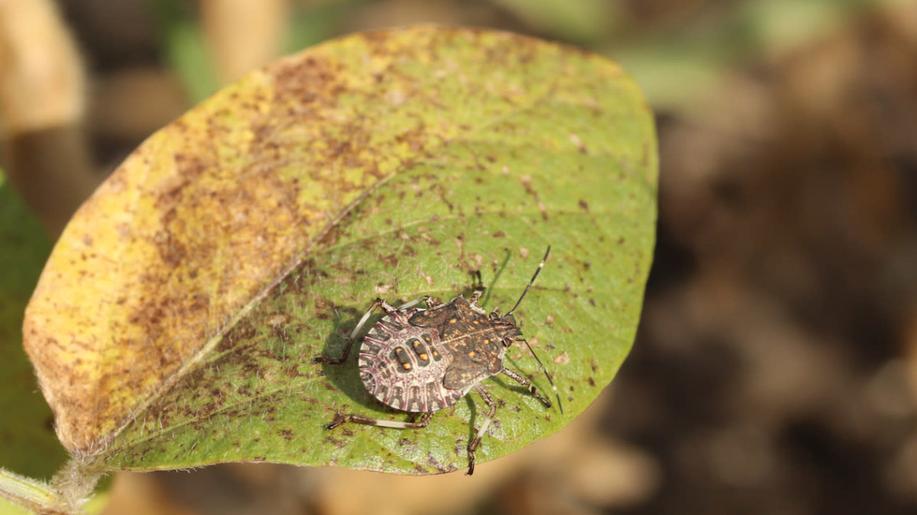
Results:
<point x="476" y="441"/>
<point x="341" y="419"/>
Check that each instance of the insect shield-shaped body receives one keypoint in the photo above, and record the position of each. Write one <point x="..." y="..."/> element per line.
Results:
<point x="422" y="359"/>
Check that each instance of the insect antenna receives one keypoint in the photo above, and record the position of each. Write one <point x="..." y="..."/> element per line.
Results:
<point x="532" y="281"/>
<point x="547" y="252"/>
<point x="495" y="279"/>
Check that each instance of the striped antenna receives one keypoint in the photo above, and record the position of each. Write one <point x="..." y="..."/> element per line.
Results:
<point x="547" y="252"/>
<point x="535" y="276"/>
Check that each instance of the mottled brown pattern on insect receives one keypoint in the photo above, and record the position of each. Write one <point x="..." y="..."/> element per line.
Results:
<point x="402" y="365"/>
<point x="475" y="342"/>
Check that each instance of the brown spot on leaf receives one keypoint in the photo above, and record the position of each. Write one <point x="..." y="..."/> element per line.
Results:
<point x="578" y="143"/>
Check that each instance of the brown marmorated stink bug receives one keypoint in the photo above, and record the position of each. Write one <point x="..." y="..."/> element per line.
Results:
<point x="422" y="360"/>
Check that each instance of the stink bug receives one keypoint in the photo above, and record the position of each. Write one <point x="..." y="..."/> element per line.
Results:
<point x="420" y="360"/>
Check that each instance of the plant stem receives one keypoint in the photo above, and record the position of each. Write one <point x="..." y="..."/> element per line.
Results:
<point x="29" y="493"/>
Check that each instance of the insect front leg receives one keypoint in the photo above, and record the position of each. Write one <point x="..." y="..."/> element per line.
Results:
<point x="420" y="423"/>
<point x="476" y="441"/>
<point x="378" y="303"/>
<point x="524" y="381"/>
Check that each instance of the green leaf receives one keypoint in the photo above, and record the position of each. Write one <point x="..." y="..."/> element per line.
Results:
<point x="574" y="20"/>
<point x="314" y="22"/>
<point x="678" y="65"/>
<point x="188" y="297"/>
<point x="185" y="49"/>
<point x="27" y="441"/>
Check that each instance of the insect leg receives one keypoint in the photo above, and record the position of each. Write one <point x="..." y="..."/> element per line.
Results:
<point x="388" y="308"/>
<point x="411" y="304"/>
<point x="524" y="381"/>
<point x="479" y="288"/>
<point x="378" y="303"/>
<point x="432" y="302"/>
<point x="476" y="441"/>
<point x="420" y="423"/>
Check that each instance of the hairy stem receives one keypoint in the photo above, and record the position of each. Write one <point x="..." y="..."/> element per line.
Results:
<point x="29" y="493"/>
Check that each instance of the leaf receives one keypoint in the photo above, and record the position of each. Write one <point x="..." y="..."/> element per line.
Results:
<point x="679" y="66"/>
<point x="314" y="22"/>
<point x="176" y="320"/>
<point x="185" y="49"/>
<point x="574" y="20"/>
<point x="27" y="443"/>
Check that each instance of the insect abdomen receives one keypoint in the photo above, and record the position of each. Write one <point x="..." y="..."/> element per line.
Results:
<point x="402" y="366"/>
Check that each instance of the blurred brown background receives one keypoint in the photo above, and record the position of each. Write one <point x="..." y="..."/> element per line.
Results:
<point x="776" y="367"/>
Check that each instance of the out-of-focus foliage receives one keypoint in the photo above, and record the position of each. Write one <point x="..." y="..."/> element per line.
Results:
<point x="184" y="48"/>
<point x="28" y="445"/>
<point x="677" y="63"/>
<point x="316" y="22"/>
<point x="8" y="508"/>
<point x="581" y="21"/>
